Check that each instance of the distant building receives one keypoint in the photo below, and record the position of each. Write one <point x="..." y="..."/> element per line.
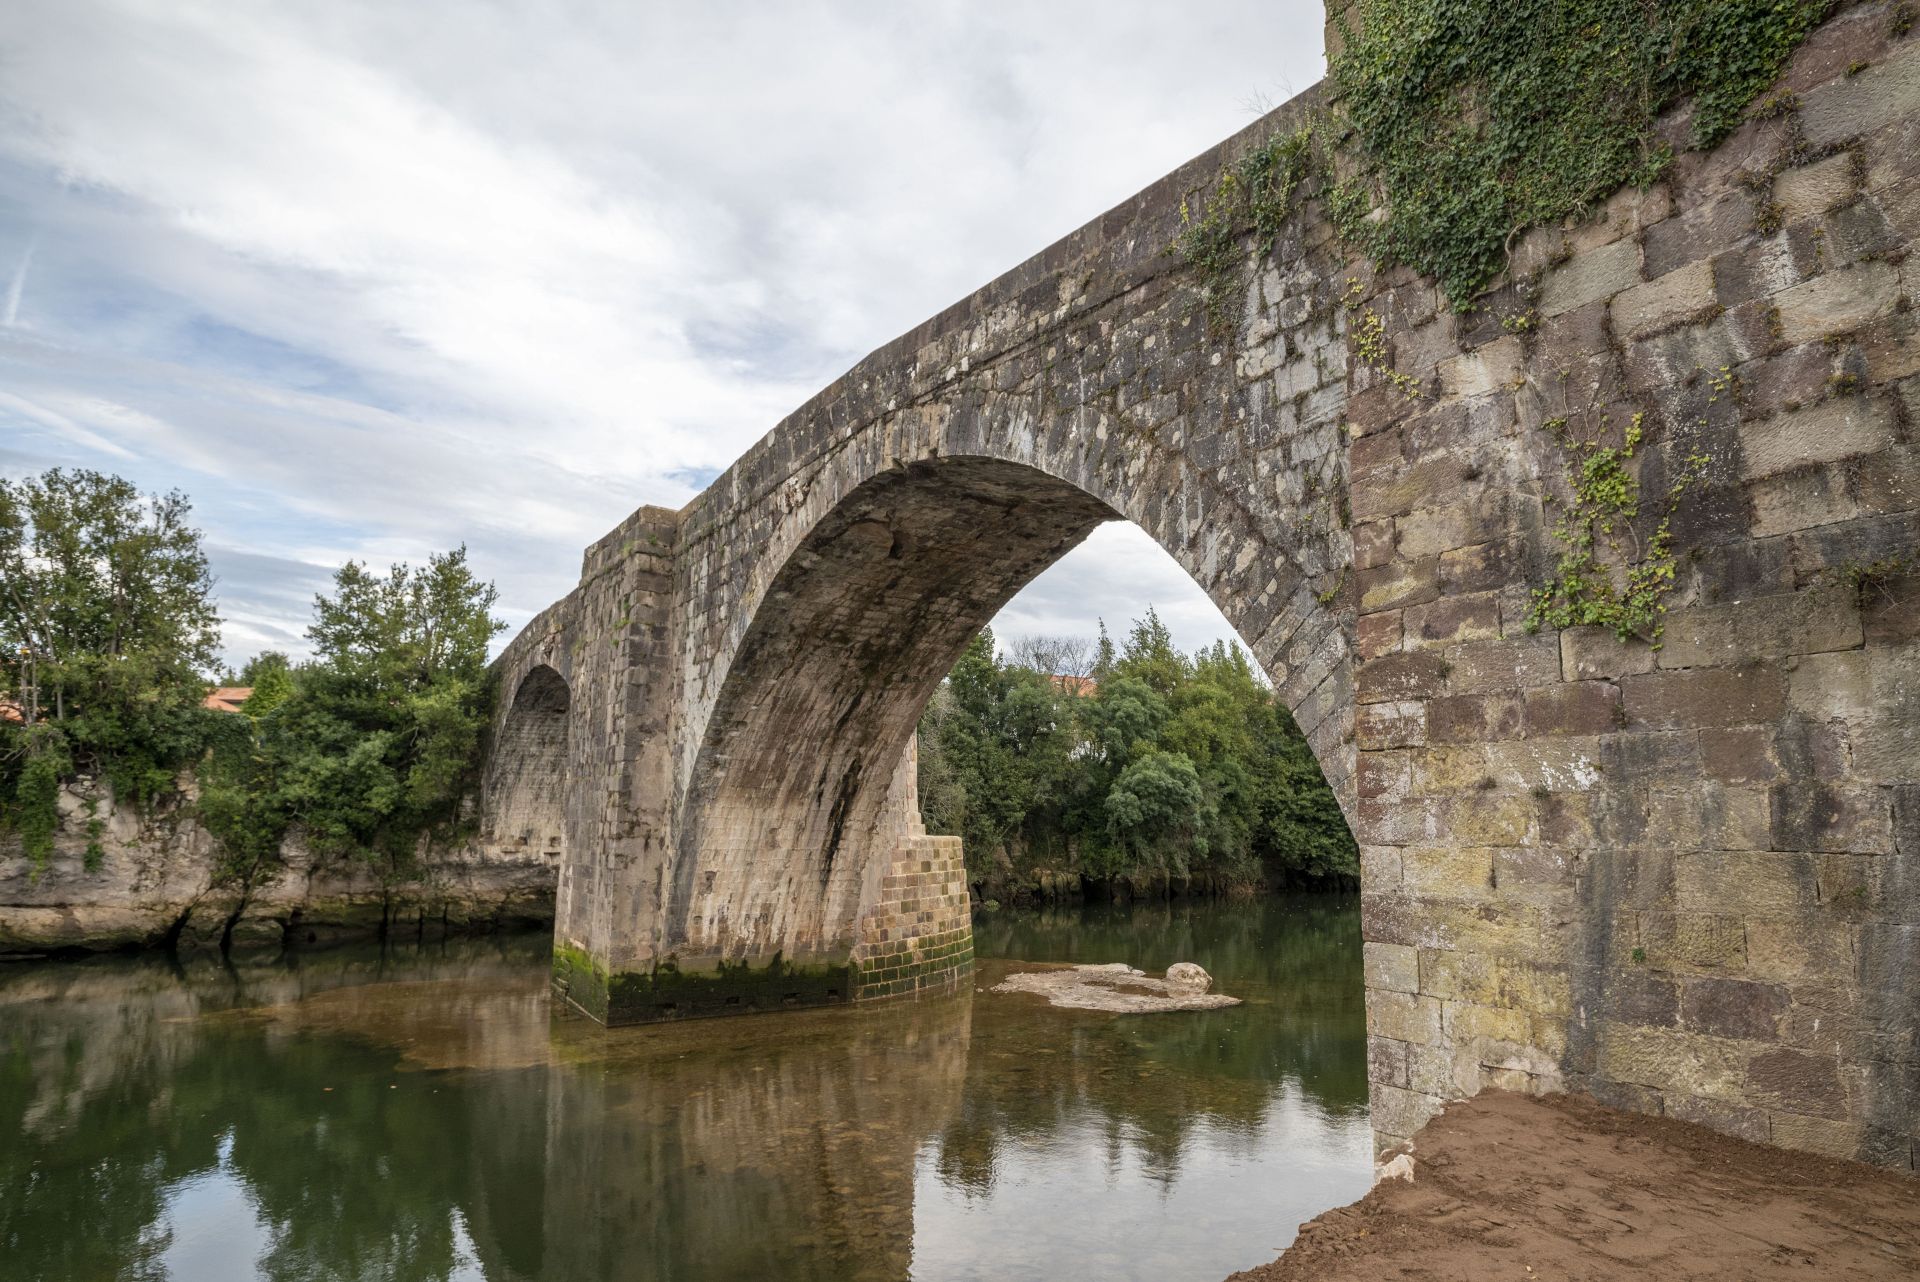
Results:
<point x="227" y="698"/>
<point x="1079" y="687"/>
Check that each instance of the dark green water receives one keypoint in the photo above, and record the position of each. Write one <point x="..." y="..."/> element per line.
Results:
<point x="418" y="1113"/>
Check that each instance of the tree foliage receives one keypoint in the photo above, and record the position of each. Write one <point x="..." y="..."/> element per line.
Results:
<point x="1165" y="767"/>
<point x="373" y="744"/>
<point x="269" y="675"/>
<point x="108" y="634"/>
<point x="106" y="624"/>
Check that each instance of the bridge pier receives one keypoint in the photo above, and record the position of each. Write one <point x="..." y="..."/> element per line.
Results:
<point x="913" y="934"/>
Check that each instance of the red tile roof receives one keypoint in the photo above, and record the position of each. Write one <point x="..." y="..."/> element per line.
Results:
<point x="227" y="698"/>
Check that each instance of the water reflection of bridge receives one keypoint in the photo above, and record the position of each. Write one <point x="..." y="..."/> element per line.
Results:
<point x="461" y="1123"/>
<point x="389" y="1129"/>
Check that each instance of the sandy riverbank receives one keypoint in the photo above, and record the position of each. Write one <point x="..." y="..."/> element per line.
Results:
<point x="1564" y="1190"/>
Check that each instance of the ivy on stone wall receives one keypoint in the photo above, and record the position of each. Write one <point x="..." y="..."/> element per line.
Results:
<point x="1259" y="192"/>
<point x="1459" y="124"/>
<point x="1473" y="121"/>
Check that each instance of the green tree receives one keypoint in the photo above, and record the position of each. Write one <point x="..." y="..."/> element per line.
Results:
<point x="1158" y="812"/>
<point x="1150" y="656"/>
<point x="378" y="740"/>
<point x="1003" y="740"/>
<point x="1176" y="767"/>
<point x="269" y="675"/>
<point x="1301" y="831"/>
<point x="107" y="627"/>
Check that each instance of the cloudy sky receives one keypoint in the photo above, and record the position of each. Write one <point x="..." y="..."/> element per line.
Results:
<point x="368" y="280"/>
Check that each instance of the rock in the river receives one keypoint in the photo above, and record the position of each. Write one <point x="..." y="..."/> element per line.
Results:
<point x="1188" y="977"/>
<point x="1120" y="988"/>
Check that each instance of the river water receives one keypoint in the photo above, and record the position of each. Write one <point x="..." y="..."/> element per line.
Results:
<point x="421" y="1113"/>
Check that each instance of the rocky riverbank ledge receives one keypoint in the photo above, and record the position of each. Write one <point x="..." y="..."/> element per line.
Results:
<point x="125" y="878"/>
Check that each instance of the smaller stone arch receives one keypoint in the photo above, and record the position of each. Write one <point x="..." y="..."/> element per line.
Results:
<point x="525" y="798"/>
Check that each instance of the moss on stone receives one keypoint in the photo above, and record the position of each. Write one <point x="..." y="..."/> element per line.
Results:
<point x="669" y="991"/>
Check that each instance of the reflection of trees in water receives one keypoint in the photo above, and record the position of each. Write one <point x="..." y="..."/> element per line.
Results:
<point x="116" y="1092"/>
<point x="360" y="1119"/>
<point x="1149" y="1081"/>
<point x="774" y="1148"/>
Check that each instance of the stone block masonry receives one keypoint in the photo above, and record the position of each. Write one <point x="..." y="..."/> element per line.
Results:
<point x="1683" y="879"/>
<point x="918" y="936"/>
<point x="1676" y="878"/>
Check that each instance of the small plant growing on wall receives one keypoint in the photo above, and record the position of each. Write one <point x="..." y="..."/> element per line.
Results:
<point x="1607" y="575"/>
<point x="1258" y="193"/>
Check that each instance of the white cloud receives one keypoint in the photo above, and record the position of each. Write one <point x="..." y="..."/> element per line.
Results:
<point x="1116" y="576"/>
<point x="370" y="279"/>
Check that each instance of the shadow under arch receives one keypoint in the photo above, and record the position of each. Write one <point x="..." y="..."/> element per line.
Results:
<point x="802" y="786"/>
<point x="524" y="797"/>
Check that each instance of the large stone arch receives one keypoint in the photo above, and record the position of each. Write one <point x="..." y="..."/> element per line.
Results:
<point x="842" y="649"/>
<point x="1680" y="878"/>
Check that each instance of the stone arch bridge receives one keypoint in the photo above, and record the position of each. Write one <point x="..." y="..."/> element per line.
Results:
<point x="1685" y="879"/>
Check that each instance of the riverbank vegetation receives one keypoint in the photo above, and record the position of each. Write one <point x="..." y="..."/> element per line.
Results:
<point x="1131" y="767"/>
<point x="108" y="634"/>
<point x="369" y="748"/>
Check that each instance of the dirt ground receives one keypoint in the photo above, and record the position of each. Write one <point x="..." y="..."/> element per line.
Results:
<point x="1564" y="1190"/>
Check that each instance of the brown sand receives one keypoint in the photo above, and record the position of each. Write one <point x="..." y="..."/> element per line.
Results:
<point x="1564" y="1190"/>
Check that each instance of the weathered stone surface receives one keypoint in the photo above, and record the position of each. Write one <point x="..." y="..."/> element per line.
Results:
<point x="1820" y="816"/>
<point x="154" y="880"/>
<point x="1734" y="1008"/>
<point x="1794" y="1081"/>
<point x="1390" y="725"/>
<point x="1585" y="278"/>
<point x="1836" y="303"/>
<point x="1467" y="617"/>
<point x="1705" y="697"/>
<point x="1837" y="429"/>
<point x="1848" y="106"/>
<point x="1575" y="708"/>
<point x="1663" y="302"/>
<point x="1589" y="653"/>
<point x="1807" y="622"/>
<point x="1392" y="967"/>
<point x="1503" y="665"/>
<point x="1807" y="191"/>
<point x="1492" y="368"/>
<point x="1696" y="1064"/>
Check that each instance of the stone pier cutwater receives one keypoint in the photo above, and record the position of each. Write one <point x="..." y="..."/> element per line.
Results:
<point x="1683" y="880"/>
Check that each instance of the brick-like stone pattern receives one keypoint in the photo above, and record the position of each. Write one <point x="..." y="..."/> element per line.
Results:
<point x="915" y="933"/>
<point x="918" y="935"/>
<point x="1685" y="880"/>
